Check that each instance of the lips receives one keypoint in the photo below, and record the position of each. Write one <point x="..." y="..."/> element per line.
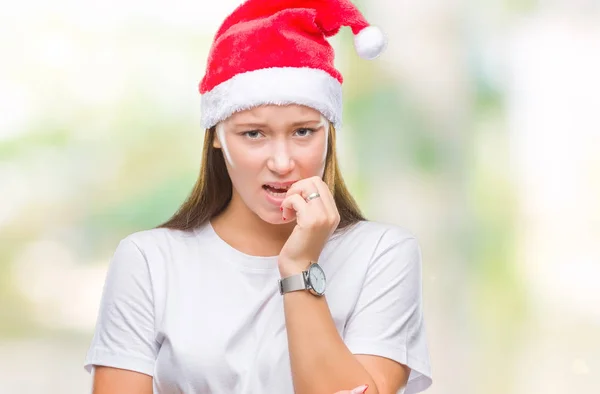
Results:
<point x="274" y="196"/>
<point x="275" y="192"/>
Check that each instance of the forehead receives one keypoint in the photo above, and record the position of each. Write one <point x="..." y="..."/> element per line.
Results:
<point x="275" y="115"/>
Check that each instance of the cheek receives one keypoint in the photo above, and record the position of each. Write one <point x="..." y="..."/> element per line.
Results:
<point x="312" y="158"/>
<point x="248" y="164"/>
<point x="245" y="159"/>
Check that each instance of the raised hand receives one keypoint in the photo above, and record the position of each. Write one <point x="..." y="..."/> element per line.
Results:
<point x="311" y="204"/>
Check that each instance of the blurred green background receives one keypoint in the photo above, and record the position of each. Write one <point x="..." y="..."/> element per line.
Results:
<point x="478" y="129"/>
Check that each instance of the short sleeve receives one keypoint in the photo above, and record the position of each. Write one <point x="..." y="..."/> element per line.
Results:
<point x="124" y="335"/>
<point x="388" y="318"/>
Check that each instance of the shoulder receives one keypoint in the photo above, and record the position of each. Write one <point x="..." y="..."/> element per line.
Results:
<point x="159" y="240"/>
<point x="373" y="244"/>
<point x="375" y="234"/>
<point x="154" y="250"/>
<point x="385" y="244"/>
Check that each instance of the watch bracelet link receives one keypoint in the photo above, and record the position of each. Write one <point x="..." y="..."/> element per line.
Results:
<point x="294" y="283"/>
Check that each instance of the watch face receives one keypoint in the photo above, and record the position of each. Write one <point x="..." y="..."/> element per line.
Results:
<point x="316" y="275"/>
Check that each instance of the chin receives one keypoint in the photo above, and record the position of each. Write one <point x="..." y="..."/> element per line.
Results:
<point x="272" y="217"/>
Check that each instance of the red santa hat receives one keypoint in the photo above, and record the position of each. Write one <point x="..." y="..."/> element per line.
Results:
<point x="276" y="52"/>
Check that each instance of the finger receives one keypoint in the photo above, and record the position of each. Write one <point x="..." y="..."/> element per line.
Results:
<point x="293" y="206"/>
<point x="326" y="201"/>
<point x="296" y="207"/>
<point x="359" y="390"/>
<point x="304" y="188"/>
<point x="326" y="197"/>
<point x="317" y="204"/>
<point x="287" y="212"/>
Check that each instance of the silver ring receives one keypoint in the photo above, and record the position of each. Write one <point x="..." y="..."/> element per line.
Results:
<point x="312" y="196"/>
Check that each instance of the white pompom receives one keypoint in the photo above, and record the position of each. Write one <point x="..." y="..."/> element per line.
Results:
<point x="370" y="42"/>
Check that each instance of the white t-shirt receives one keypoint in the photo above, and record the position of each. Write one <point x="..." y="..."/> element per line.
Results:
<point x="202" y="317"/>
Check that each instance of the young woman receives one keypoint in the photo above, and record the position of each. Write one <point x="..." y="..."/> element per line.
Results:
<point x="268" y="279"/>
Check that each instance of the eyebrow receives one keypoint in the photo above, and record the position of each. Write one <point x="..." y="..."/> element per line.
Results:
<point x="264" y="125"/>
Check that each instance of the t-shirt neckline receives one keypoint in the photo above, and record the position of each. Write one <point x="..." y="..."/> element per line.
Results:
<point x="236" y="256"/>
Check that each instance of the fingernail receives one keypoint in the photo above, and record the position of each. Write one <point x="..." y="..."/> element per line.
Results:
<point x="360" y="389"/>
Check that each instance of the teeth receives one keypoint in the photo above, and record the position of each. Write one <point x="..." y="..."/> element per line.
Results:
<point x="275" y="194"/>
<point x="281" y="188"/>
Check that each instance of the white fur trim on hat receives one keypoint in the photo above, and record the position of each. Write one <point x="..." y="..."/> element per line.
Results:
<point x="283" y="85"/>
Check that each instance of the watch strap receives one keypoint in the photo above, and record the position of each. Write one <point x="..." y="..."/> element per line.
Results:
<point x="293" y="283"/>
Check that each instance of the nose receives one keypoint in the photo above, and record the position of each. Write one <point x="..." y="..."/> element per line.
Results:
<point x="280" y="160"/>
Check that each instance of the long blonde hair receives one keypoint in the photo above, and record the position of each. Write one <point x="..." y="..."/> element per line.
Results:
<point x="213" y="190"/>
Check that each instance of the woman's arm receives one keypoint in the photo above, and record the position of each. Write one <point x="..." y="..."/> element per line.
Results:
<point x="321" y="362"/>
<point x="108" y="380"/>
<point x="123" y="349"/>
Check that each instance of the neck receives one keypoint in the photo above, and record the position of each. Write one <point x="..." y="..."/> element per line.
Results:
<point x="244" y="230"/>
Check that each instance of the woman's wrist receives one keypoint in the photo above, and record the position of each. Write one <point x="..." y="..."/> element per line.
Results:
<point x="288" y="267"/>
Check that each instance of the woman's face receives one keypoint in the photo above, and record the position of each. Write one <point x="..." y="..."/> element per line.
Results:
<point x="268" y="148"/>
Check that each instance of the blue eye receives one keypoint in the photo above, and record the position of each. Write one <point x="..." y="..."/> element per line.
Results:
<point x="256" y="134"/>
<point x="305" y="132"/>
<point x="252" y="134"/>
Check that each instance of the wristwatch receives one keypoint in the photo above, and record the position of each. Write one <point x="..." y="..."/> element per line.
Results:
<point x="313" y="280"/>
